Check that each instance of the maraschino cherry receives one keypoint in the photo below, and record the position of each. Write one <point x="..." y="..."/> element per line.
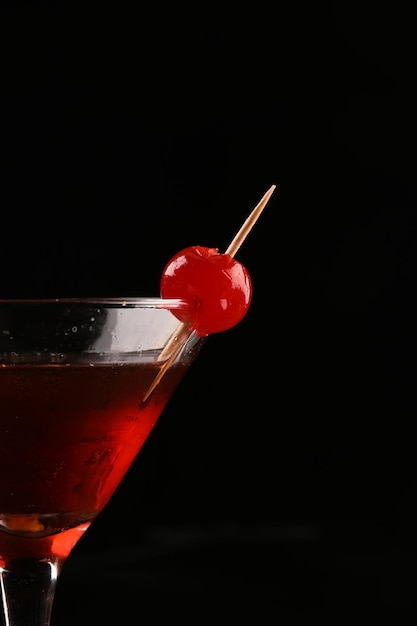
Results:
<point x="220" y="286"/>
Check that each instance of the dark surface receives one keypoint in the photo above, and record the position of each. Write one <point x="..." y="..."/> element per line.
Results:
<point x="282" y="475"/>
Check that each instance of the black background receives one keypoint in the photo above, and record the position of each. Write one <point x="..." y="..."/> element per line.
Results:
<point x="282" y="475"/>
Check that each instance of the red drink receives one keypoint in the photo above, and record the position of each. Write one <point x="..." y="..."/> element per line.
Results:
<point x="68" y="434"/>
<point x="82" y="383"/>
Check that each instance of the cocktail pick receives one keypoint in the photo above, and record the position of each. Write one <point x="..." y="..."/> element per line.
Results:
<point x="174" y="346"/>
<point x="249" y="223"/>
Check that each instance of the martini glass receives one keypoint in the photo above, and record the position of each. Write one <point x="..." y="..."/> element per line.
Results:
<point x="82" y="383"/>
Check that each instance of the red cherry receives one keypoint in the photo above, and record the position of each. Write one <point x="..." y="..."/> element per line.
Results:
<point x="220" y="285"/>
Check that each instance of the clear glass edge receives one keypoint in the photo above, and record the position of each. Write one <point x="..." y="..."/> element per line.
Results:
<point x="147" y="302"/>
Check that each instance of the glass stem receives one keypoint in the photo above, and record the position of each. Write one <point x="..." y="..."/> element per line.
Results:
<point x="27" y="590"/>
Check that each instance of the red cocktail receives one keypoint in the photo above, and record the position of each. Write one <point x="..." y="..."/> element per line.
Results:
<point x="82" y="383"/>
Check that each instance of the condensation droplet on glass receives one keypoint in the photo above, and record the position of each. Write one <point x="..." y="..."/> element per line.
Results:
<point x="74" y="329"/>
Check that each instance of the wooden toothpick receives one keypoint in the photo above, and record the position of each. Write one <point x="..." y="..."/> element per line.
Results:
<point x="249" y="223"/>
<point x="175" y="345"/>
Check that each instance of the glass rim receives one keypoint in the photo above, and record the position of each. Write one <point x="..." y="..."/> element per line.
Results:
<point x="129" y="302"/>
